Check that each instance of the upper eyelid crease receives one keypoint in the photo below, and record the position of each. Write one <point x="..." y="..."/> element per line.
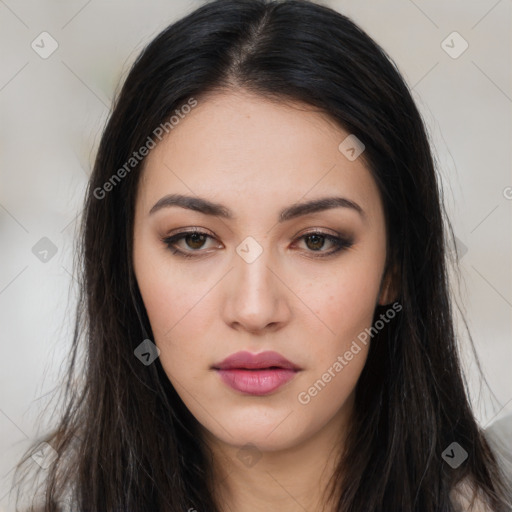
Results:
<point x="207" y="207"/>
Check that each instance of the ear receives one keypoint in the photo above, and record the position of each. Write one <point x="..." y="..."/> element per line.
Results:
<point x="389" y="287"/>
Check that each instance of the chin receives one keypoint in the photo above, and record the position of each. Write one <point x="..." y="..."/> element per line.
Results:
<point x="266" y="435"/>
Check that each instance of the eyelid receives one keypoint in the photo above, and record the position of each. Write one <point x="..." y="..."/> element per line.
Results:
<point x="339" y="240"/>
<point x="200" y="231"/>
<point x="320" y="231"/>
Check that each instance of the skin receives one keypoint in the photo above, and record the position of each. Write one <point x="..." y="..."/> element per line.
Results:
<point x="257" y="157"/>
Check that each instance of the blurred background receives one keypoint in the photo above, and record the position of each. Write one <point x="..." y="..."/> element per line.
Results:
<point x="61" y="63"/>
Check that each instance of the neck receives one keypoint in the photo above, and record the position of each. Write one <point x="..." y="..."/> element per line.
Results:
<point x="245" y="479"/>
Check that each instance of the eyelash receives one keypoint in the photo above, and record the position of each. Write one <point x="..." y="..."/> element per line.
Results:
<point x="339" y="243"/>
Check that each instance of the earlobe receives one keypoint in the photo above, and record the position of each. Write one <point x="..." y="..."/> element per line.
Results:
<point x="389" y="288"/>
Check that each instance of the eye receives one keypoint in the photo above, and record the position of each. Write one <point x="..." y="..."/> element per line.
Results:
<point x="315" y="242"/>
<point x="195" y="240"/>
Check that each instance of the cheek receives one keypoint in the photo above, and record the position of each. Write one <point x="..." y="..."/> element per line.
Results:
<point x="343" y="302"/>
<point x="178" y="309"/>
<point x="169" y="296"/>
<point x="346" y="306"/>
<point x="177" y="314"/>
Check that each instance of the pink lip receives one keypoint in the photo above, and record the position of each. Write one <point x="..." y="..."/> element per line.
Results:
<point x="256" y="374"/>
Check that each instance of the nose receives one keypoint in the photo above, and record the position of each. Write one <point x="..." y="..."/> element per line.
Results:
<point x="257" y="297"/>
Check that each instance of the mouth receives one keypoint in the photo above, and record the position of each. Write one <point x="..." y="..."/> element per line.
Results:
<point x="256" y="374"/>
<point x="263" y="361"/>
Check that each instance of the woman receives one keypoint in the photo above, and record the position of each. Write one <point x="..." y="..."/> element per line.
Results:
<point x="265" y="305"/>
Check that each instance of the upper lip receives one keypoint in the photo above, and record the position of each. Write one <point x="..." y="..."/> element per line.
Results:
<point x="251" y="361"/>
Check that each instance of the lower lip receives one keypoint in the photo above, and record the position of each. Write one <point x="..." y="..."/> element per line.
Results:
<point x="256" y="382"/>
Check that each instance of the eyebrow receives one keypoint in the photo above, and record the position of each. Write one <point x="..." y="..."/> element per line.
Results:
<point x="207" y="207"/>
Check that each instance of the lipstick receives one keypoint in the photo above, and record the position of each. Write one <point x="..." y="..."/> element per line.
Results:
<point x="256" y="374"/>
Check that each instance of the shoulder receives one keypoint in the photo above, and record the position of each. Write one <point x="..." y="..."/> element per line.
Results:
<point x="467" y="499"/>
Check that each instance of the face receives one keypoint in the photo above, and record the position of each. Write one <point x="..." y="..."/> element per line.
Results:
<point x="259" y="274"/>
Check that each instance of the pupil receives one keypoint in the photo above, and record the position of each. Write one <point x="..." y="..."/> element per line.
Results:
<point x="196" y="239"/>
<point x="317" y="241"/>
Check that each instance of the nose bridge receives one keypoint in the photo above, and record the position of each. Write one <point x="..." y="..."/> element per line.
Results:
<point x="257" y="298"/>
<point x="253" y="267"/>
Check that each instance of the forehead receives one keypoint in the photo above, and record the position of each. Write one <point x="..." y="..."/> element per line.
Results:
<point x="254" y="153"/>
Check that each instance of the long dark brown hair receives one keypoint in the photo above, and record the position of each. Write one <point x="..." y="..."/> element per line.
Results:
<point x="125" y="440"/>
